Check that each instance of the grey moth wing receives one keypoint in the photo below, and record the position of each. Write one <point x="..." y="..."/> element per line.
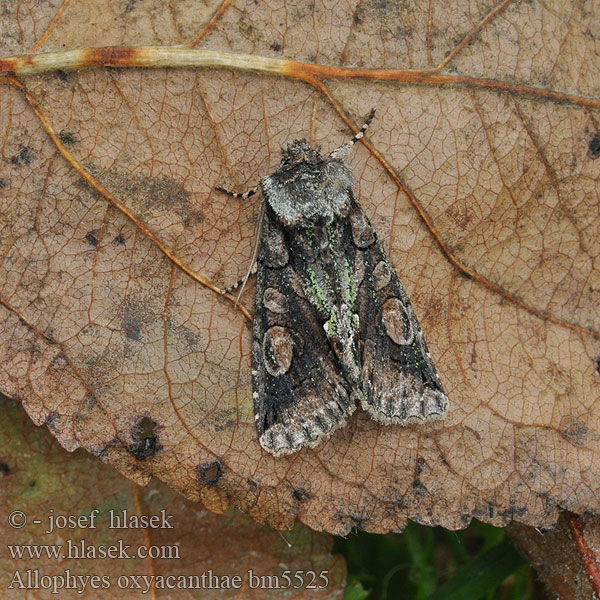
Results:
<point x="399" y="381"/>
<point x="300" y="393"/>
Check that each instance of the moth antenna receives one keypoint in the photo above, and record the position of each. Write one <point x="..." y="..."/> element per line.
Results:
<point x="235" y="194"/>
<point x="253" y="264"/>
<point x="233" y="286"/>
<point x="345" y="149"/>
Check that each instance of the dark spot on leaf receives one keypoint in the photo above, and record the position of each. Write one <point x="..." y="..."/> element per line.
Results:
<point x="276" y="47"/>
<point x="404" y="32"/>
<point x="67" y="138"/>
<point x="475" y="433"/>
<point x="151" y="195"/>
<point x="2" y="183"/>
<point x="401" y="502"/>
<point x="119" y="239"/>
<point x="51" y="420"/>
<point x="597" y="363"/>
<point x="301" y="495"/>
<point x="92" y="237"/>
<point x="358" y="15"/>
<point x="229" y="424"/>
<point x="4" y="469"/>
<point x="210" y="473"/>
<point x="491" y="511"/>
<point x="129" y="6"/>
<point x="574" y="431"/>
<point x="513" y="511"/>
<point x="465" y="518"/>
<point x="594" y="146"/>
<point x="59" y="362"/>
<point x="194" y="218"/>
<point x="100" y="453"/>
<point x="133" y="316"/>
<point x="62" y="75"/>
<point x="24" y="157"/>
<point x="358" y="521"/>
<point x="147" y="443"/>
<point x="384" y="11"/>
<point x="420" y="465"/>
<point x="417" y="483"/>
<point x="192" y="338"/>
<point x="89" y="401"/>
<point x="247" y="29"/>
<point x="252" y="485"/>
<point x="131" y="327"/>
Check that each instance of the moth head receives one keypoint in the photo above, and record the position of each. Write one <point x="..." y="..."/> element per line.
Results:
<point x="300" y="151"/>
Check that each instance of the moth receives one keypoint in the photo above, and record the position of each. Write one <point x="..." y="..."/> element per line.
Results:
<point x="333" y="326"/>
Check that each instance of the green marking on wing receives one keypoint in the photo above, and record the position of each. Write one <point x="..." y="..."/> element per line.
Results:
<point x="350" y="283"/>
<point x="318" y="294"/>
<point x="332" y="325"/>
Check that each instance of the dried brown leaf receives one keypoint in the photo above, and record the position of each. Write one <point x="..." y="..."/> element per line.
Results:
<point x="485" y="197"/>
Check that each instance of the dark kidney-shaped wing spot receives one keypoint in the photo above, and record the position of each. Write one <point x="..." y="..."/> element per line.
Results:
<point x="210" y="473"/>
<point x="4" y="469"/>
<point x="146" y="440"/>
<point x="278" y="350"/>
<point x="396" y="322"/>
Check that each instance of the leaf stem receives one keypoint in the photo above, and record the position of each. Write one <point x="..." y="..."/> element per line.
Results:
<point x="183" y="56"/>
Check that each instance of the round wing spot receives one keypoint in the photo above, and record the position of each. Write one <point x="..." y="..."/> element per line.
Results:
<point x="362" y="232"/>
<point x="396" y="322"/>
<point x="381" y="275"/>
<point x="278" y="350"/>
<point x="275" y="301"/>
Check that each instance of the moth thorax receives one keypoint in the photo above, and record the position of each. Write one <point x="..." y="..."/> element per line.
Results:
<point x="301" y="204"/>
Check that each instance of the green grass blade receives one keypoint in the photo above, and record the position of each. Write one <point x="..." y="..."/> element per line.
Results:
<point x="481" y="575"/>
